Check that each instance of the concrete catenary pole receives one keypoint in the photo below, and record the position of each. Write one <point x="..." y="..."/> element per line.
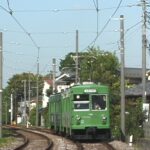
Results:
<point x="54" y="74"/>
<point x="24" y="111"/>
<point x="29" y="94"/>
<point x="6" y="110"/>
<point x="77" y="59"/>
<point x="144" y="45"/>
<point x="11" y="108"/>
<point x="37" y="91"/>
<point x="122" y="87"/>
<point x="1" y="81"/>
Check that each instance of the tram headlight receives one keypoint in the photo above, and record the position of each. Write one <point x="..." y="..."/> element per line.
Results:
<point x="78" y="118"/>
<point x="104" y="119"/>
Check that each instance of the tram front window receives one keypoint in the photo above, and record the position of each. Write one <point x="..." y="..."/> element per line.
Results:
<point x="80" y="105"/>
<point x="81" y="102"/>
<point x="98" y="102"/>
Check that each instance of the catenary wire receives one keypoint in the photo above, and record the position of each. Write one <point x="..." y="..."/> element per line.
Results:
<point x="21" y="26"/>
<point x="102" y="30"/>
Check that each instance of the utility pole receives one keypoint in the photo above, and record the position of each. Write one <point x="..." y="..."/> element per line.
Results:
<point x="6" y="110"/>
<point x="37" y="91"/>
<point x="24" y="111"/>
<point x="11" y="108"/>
<point x="1" y="79"/>
<point x="144" y="45"/>
<point x="122" y="89"/>
<point x="54" y="74"/>
<point x="77" y="59"/>
<point x="29" y="92"/>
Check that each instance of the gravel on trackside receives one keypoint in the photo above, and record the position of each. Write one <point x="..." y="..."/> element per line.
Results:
<point x="119" y="145"/>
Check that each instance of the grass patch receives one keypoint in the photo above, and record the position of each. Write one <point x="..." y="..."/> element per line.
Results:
<point x="6" y="137"/>
<point x="6" y="141"/>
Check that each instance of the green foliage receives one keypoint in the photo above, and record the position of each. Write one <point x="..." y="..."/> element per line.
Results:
<point x="49" y="91"/>
<point x="115" y="121"/>
<point x="16" y="84"/>
<point x="133" y="121"/>
<point x="32" y="116"/>
<point x="67" y="62"/>
<point x="95" y="65"/>
<point x="46" y="117"/>
<point x="134" y="118"/>
<point x="16" y="88"/>
<point x="6" y="139"/>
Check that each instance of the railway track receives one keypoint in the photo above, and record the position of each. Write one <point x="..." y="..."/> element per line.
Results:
<point x="77" y="145"/>
<point x="32" y="140"/>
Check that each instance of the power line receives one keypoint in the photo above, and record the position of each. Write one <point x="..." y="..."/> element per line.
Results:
<point x="21" y="26"/>
<point x="68" y="9"/>
<point x="9" y="7"/>
<point x="133" y="26"/>
<point x="102" y="30"/>
<point x="127" y="30"/>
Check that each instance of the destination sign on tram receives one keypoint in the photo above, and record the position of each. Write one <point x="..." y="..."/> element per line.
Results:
<point x="90" y="90"/>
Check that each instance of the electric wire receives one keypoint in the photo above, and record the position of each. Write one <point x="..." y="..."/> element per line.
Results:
<point x="21" y="26"/>
<point x="95" y="4"/>
<point x="102" y="30"/>
<point x="63" y="10"/>
<point x="10" y="10"/>
<point x="127" y="30"/>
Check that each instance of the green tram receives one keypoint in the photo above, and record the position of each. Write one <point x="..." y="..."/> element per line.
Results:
<point x="81" y="112"/>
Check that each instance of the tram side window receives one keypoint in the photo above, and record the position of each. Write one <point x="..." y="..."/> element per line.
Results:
<point x="98" y="102"/>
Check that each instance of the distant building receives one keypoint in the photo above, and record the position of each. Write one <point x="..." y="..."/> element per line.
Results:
<point x="47" y="85"/>
<point x="134" y="75"/>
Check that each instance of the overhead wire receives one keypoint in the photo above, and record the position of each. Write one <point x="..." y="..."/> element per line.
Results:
<point x="126" y="31"/>
<point x="67" y="9"/>
<point x="97" y="13"/>
<point x="20" y="25"/>
<point x="102" y="30"/>
<point x="9" y="7"/>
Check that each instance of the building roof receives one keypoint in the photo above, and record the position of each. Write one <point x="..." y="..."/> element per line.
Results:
<point x="137" y="90"/>
<point x="48" y="81"/>
<point x="133" y="72"/>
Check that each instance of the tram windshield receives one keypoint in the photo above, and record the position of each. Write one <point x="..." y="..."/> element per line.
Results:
<point x="81" y="102"/>
<point x="99" y="102"/>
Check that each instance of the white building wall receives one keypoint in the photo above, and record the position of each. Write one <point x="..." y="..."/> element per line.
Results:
<point x="62" y="87"/>
<point x="45" y="98"/>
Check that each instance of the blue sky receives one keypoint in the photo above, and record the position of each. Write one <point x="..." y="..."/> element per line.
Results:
<point x="52" y="26"/>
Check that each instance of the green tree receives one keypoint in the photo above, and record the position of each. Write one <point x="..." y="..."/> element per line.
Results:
<point x="16" y="88"/>
<point x="134" y="118"/>
<point x="49" y="91"/>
